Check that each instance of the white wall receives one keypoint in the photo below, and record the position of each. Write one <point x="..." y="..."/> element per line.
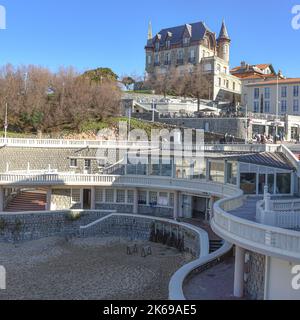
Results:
<point x="279" y="280"/>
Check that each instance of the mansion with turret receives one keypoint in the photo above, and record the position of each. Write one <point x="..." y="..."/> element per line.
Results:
<point x="189" y="45"/>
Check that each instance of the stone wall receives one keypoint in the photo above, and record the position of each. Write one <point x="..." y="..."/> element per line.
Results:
<point x="255" y="276"/>
<point x="18" y="158"/>
<point x="231" y="126"/>
<point x="140" y="228"/>
<point x="24" y="227"/>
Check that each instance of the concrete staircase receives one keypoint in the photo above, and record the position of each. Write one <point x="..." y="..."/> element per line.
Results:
<point x="27" y="201"/>
<point x="214" y="245"/>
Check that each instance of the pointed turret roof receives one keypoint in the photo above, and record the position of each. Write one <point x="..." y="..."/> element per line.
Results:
<point x="150" y="36"/>
<point x="223" y="33"/>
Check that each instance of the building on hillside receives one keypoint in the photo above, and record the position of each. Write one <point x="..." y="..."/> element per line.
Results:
<point x="254" y="73"/>
<point x="259" y="71"/>
<point x="280" y="98"/>
<point x="189" y="45"/>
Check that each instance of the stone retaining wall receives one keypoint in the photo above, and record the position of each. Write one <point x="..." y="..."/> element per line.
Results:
<point x="33" y="226"/>
<point x="141" y="228"/>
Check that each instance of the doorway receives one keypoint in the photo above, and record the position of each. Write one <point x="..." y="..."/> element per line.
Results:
<point x="87" y="199"/>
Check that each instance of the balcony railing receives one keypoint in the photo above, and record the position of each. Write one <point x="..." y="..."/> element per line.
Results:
<point x="264" y="239"/>
<point x="62" y="143"/>
<point x="279" y="213"/>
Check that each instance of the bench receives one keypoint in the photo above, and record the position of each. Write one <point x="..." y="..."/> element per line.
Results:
<point x="132" y="249"/>
<point x="146" y="251"/>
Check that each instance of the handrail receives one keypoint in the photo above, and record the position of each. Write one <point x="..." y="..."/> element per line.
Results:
<point x="125" y="144"/>
<point x="197" y="185"/>
<point x="291" y="156"/>
<point x="177" y="280"/>
<point x="70" y="143"/>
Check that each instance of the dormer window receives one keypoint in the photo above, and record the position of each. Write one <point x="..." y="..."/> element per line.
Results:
<point x="168" y="44"/>
<point x="186" y="41"/>
<point x="157" y="46"/>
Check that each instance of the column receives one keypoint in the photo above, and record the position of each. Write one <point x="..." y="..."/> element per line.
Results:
<point x="1" y="199"/>
<point x="180" y="207"/>
<point x="225" y="171"/>
<point x="135" y="202"/>
<point x="239" y="272"/>
<point x="176" y="205"/>
<point x="93" y="198"/>
<point x="48" y="199"/>
<point x="207" y="170"/>
<point x="211" y="210"/>
<point x="81" y="199"/>
<point x="238" y="178"/>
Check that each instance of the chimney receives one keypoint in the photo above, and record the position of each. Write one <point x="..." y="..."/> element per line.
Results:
<point x="243" y="64"/>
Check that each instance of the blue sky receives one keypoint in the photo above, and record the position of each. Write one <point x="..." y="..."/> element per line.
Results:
<point x="94" y="33"/>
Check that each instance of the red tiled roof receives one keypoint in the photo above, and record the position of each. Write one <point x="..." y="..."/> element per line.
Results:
<point x="280" y="81"/>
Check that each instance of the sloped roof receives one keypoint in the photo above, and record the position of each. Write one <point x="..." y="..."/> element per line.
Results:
<point x="224" y="33"/>
<point x="197" y="31"/>
<point x="280" y="81"/>
<point x="268" y="159"/>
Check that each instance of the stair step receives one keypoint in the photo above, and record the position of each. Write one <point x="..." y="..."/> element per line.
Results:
<point x="27" y="201"/>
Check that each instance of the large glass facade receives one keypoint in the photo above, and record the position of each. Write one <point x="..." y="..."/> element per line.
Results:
<point x="231" y="172"/>
<point x="283" y="183"/>
<point x="271" y="183"/>
<point x="216" y="171"/>
<point x="261" y="183"/>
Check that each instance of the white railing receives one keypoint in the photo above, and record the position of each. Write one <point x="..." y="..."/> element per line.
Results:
<point x="178" y="279"/>
<point x="261" y="238"/>
<point x="193" y="186"/>
<point x="64" y="143"/>
<point x="280" y="213"/>
<point x="291" y="156"/>
<point x="242" y="147"/>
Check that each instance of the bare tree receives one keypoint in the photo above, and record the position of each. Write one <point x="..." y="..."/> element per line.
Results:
<point x="40" y="100"/>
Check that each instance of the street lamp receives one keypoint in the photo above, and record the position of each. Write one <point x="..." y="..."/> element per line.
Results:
<point x="5" y="122"/>
<point x="153" y="111"/>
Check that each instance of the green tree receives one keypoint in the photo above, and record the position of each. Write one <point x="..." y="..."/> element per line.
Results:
<point x="128" y="81"/>
<point x="100" y="75"/>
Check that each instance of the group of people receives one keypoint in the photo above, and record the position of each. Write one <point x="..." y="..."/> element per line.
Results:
<point x="227" y="139"/>
<point x="263" y="138"/>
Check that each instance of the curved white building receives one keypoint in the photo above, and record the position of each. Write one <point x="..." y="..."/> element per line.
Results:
<point x="248" y="194"/>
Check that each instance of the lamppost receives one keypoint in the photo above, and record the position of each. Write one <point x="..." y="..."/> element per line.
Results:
<point x="5" y="122"/>
<point x="153" y="110"/>
<point x="277" y="106"/>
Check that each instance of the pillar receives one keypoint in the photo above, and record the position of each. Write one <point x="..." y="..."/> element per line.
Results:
<point x="225" y="171"/>
<point x="239" y="272"/>
<point x="180" y="205"/>
<point x="93" y="198"/>
<point x="238" y="178"/>
<point x="1" y="199"/>
<point x="135" y="202"/>
<point x="48" y="199"/>
<point x="176" y="205"/>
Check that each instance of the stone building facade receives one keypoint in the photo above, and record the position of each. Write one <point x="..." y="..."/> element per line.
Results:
<point x="189" y="45"/>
